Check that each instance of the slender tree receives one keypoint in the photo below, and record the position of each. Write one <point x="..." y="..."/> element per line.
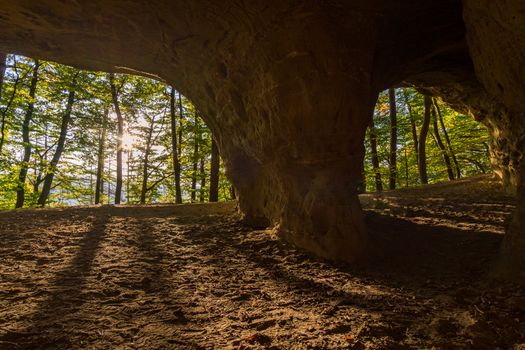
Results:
<point x="109" y="181"/>
<point x="441" y="146"/>
<point x="50" y="172"/>
<point x="40" y="170"/>
<point x="99" y="184"/>
<point x="406" y="168"/>
<point x="20" y="192"/>
<point x="3" y="66"/>
<point x="10" y="100"/>
<point x="375" y="158"/>
<point x="174" y="147"/>
<point x="214" y="172"/>
<point x="447" y="139"/>
<point x="120" y="134"/>
<point x="181" y="121"/>
<point x="393" y="139"/>
<point x="413" y="127"/>
<point x="422" y="152"/>
<point x="196" y="144"/>
<point x="129" y="160"/>
<point x="203" y="180"/>
<point x="145" y="164"/>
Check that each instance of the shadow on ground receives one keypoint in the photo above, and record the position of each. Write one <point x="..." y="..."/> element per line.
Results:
<point x="192" y="277"/>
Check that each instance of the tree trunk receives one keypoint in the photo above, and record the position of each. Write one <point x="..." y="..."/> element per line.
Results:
<point x="174" y="148"/>
<point x="109" y="181"/>
<point x="38" y="177"/>
<point x="195" y="159"/>
<point x="194" y="174"/>
<point x="375" y="158"/>
<point x="422" y="151"/>
<point x="50" y="173"/>
<point x="214" y="172"/>
<point x="181" y="126"/>
<point x="393" y="139"/>
<point x="442" y="147"/>
<point x="100" y="163"/>
<point x="120" y="133"/>
<point x="8" y="104"/>
<point x="145" y="165"/>
<point x="3" y="64"/>
<point x="91" y="182"/>
<point x="20" y="192"/>
<point x="203" y="180"/>
<point x="412" y="125"/>
<point x="181" y="119"/>
<point x="145" y="170"/>
<point x="447" y="139"/>
<point x="406" y="168"/>
<point x="38" y="181"/>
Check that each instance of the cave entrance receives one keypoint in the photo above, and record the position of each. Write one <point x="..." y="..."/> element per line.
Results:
<point x="430" y="191"/>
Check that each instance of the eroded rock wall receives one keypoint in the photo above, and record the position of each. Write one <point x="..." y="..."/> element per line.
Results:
<point x="495" y="34"/>
<point x="496" y="38"/>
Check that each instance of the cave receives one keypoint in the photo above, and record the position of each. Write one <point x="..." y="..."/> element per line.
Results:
<point x="254" y="67"/>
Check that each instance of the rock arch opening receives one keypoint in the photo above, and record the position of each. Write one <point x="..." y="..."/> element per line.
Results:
<point x="414" y="139"/>
<point x="429" y="194"/>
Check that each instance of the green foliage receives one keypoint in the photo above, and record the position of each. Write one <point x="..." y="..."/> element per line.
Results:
<point x="145" y="107"/>
<point x="469" y="141"/>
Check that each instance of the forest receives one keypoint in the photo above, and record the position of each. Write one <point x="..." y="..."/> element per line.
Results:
<point x="415" y="139"/>
<point x="71" y="137"/>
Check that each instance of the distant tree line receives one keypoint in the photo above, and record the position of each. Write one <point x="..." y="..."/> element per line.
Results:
<point x="72" y="137"/>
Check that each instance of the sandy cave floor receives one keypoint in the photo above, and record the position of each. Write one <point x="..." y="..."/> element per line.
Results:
<point x="192" y="277"/>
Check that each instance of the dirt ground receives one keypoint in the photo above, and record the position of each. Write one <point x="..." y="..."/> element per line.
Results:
<point x="192" y="277"/>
